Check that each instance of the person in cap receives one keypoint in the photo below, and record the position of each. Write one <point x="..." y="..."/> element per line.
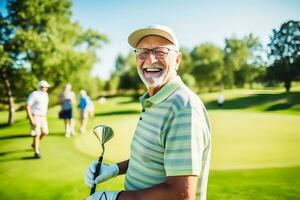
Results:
<point x="170" y="149"/>
<point x="37" y="106"/>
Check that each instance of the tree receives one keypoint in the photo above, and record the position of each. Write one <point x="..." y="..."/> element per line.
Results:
<point x="235" y="56"/>
<point x="39" y="41"/>
<point x="186" y="67"/>
<point x="243" y="62"/>
<point x="208" y="65"/>
<point x="254" y="67"/>
<point x="285" y="53"/>
<point x="126" y="76"/>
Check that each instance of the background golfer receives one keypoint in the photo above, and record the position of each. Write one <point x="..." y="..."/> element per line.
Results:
<point x="37" y="106"/>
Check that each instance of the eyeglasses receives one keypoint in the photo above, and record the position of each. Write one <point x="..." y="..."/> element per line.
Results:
<point x="158" y="52"/>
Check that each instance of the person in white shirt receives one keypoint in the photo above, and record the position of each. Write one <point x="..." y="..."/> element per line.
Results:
<point x="37" y="106"/>
<point x="220" y="100"/>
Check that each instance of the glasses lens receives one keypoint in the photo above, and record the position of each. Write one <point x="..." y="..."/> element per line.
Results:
<point x="142" y="53"/>
<point x="160" y="52"/>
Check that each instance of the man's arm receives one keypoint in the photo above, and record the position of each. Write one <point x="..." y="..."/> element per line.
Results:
<point x="29" y="114"/>
<point x="123" y="166"/>
<point x="175" y="187"/>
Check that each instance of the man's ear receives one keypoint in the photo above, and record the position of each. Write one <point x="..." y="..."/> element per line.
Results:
<point x="178" y="59"/>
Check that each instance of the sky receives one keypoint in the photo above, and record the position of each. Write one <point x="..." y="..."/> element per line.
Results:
<point x="193" y="21"/>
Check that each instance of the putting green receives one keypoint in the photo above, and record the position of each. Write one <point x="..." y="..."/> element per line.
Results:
<point x="240" y="139"/>
<point x="118" y="148"/>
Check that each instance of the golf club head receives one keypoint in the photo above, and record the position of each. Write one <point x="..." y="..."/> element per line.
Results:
<point x="103" y="133"/>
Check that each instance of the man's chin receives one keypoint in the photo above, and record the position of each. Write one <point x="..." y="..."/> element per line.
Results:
<point x="153" y="83"/>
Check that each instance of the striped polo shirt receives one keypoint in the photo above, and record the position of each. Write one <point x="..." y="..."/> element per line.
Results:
<point x="172" y="138"/>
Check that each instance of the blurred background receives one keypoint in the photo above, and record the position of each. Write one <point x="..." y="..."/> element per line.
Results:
<point x="244" y="52"/>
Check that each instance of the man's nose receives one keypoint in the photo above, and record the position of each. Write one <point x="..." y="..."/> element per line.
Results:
<point x="152" y="59"/>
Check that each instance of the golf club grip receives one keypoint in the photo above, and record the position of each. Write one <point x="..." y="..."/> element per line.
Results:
<point x="93" y="189"/>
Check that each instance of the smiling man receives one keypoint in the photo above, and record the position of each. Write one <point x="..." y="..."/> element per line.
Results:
<point x="170" y="150"/>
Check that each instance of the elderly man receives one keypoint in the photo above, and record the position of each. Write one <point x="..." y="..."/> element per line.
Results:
<point x="37" y="106"/>
<point x="170" y="150"/>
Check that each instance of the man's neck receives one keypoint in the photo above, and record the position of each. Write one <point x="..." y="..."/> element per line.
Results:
<point x="153" y="90"/>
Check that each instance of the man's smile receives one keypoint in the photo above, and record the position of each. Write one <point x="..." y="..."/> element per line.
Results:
<point x="152" y="73"/>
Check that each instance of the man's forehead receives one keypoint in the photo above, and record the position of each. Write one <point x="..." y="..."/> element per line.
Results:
<point x="153" y="41"/>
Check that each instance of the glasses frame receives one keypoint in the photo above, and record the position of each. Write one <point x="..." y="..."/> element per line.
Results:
<point x="153" y="52"/>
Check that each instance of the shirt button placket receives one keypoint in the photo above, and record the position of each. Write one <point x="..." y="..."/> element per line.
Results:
<point x="143" y="110"/>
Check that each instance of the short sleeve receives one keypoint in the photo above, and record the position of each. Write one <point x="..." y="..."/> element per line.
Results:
<point x="31" y="99"/>
<point x="185" y="143"/>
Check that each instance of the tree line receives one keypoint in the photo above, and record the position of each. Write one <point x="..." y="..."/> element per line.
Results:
<point x="242" y="61"/>
<point x="38" y="40"/>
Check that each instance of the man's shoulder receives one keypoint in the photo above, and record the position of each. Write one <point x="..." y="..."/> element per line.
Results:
<point x="33" y="94"/>
<point x="183" y="97"/>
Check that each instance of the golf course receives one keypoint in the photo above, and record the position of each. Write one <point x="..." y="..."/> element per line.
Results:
<point x="255" y="149"/>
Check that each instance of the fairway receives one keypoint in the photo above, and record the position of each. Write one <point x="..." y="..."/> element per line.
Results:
<point x="255" y="154"/>
<point x="246" y="140"/>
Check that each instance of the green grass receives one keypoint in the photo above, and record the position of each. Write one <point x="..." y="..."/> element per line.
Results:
<point x="243" y="140"/>
<point x="271" y="100"/>
<point x="266" y="184"/>
<point x="255" y="150"/>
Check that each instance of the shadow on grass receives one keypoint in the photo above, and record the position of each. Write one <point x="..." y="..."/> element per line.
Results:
<point x="22" y="135"/>
<point x="4" y="125"/>
<point x="9" y="153"/>
<point x="124" y="112"/>
<point x="56" y="134"/>
<point x="276" y="102"/>
<point x="129" y="101"/>
<point x="3" y="153"/>
<point x="21" y="158"/>
<point x="29" y="158"/>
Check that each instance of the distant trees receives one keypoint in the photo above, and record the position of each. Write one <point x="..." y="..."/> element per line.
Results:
<point x="242" y="61"/>
<point x="186" y="67"/>
<point x="285" y="54"/>
<point x="126" y="76"/>
<point x="235" y="56"/>
<point x="38" y="41"/>
<point x="207" y="65"/>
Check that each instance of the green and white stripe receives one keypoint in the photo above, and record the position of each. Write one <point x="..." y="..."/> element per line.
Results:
<point x="172" y="138"/>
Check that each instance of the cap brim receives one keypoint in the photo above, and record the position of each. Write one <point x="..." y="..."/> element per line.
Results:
<point x="45" y="86"/>
<point x="137" y="35"/>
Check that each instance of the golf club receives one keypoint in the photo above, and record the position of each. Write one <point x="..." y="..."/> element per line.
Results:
<point x="103" y="133"/>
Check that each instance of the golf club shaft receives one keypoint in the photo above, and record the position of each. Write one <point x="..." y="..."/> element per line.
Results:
<point x="93" y="189"/>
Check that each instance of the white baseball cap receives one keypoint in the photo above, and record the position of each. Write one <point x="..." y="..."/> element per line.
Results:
<point x="158" y="30"/>
<point x="44" y="83"/>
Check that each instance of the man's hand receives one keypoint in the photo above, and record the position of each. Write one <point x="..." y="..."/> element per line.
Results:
<point x="32" y="121"/>
<point x="103" y="195"/>
<point x="106" y="172"/>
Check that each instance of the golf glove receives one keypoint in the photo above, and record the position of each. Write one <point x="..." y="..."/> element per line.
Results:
<point x="106" y="172"/>
<point x="103" y="195"/>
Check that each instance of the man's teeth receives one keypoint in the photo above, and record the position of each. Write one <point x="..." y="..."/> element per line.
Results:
<point x="152" y="70"/>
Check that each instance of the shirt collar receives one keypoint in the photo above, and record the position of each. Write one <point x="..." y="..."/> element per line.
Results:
<point x="162" y="94"/>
